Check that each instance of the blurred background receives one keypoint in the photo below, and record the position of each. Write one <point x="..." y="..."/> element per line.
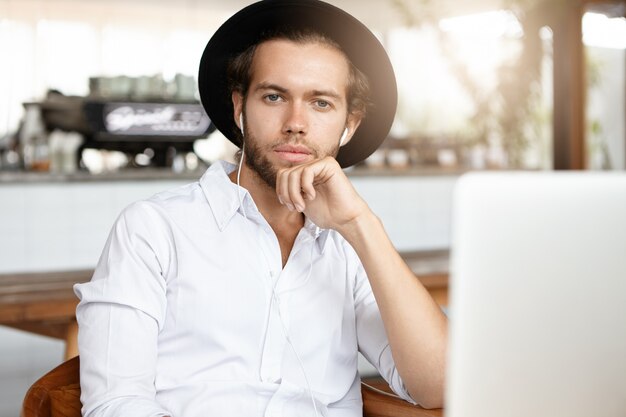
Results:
<point x="98" y="108"/>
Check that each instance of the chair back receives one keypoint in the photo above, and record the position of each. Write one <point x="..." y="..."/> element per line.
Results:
<point x="56" y="394"/>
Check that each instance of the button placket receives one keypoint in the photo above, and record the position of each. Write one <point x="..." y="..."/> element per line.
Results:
<point x="279" y="324"/>
<point x="274" y="346"/>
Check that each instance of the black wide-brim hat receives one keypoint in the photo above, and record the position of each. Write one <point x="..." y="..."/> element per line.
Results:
<point x="248" y="26"/>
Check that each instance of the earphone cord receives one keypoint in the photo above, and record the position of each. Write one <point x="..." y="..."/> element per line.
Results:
<point x="282" y="325"/>
<point x="243" y="150"/>
<point x="388" y="394"/>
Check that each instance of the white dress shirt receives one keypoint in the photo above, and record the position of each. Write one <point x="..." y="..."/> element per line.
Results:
<point x="190" y="314"/>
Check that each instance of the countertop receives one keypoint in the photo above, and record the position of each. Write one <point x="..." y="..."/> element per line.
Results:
<point x="164" y="174"/>
<point x="148" y="174"/>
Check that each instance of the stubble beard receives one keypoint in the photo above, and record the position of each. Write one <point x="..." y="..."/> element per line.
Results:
<point x="257" y="161"/>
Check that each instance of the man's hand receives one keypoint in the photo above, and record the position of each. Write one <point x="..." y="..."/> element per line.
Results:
<point x="321" y="190"/>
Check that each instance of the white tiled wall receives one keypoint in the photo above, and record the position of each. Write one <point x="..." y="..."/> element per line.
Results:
<point x="415" y="210"/>
<point x="50" y="226"/>
<point x="56" y="226"/>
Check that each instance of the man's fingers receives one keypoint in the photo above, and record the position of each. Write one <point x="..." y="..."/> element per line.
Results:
<point x="306" y="183"/>
<point x="295" y="188"/>
<point x="282" y="188"/>
<point x="288" y="188"/>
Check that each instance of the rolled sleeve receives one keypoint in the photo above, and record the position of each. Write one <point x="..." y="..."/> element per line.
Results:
<point x="120" y="313"/>
<point x="372" y="338"/>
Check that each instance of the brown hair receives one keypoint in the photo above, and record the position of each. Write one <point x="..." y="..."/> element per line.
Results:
<point x="240" y="68"/>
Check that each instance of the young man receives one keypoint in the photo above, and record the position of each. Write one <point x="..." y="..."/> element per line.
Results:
<point x="250" y="292"/>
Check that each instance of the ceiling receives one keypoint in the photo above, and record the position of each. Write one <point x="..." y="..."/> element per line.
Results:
<point x="382" y="14"/>
<point x="376" y="14"/>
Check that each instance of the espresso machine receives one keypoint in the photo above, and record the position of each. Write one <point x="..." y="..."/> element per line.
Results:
<point x="133" y="116"/>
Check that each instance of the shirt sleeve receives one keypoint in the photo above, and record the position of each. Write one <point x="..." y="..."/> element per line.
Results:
<point x="119" y="316"/>
<point x="371" y="335"/>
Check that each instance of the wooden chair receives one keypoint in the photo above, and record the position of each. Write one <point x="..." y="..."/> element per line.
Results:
<point x="57" y="394"/>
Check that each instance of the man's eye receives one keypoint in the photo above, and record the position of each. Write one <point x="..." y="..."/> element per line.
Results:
<point x="322" y="104"/>
<point x="272" y="97"/>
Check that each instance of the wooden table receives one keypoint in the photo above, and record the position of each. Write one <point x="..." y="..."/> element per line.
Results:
<point x="44" y="303"/>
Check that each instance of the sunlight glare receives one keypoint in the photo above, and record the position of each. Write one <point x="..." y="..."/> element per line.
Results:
<point x="605" y="32"/>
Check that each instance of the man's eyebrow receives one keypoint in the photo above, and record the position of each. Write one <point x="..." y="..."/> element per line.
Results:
<point x="270" y="86"/>
<point x="326" y="93"/>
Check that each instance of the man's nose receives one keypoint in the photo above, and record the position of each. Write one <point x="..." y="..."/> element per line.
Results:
<point x="295" y="120"/>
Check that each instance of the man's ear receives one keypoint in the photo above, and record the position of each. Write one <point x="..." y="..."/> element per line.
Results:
<point x="353" y="122"/>
<point x="237" y="107"/>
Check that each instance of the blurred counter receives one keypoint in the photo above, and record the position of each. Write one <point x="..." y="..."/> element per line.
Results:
<point x="146" y="174"/>
<point x="161" y="174"/>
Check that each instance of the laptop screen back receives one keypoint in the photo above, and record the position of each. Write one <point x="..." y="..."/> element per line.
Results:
<point x="538" y="296"/>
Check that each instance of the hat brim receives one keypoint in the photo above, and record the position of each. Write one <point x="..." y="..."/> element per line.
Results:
<point x="247" y="27"/>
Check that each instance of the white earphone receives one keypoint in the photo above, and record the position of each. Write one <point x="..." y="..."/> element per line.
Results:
<point x="243" y="150"/>
<point x="343" y="136"/>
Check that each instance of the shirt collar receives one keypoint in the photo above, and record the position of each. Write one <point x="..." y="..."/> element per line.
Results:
<point x="223" y="197"/>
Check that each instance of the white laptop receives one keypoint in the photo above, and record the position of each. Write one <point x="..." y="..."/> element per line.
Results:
<point x="538" y="296"/>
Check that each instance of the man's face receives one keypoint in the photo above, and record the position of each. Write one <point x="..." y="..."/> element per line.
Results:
<point x="296" y="107"/>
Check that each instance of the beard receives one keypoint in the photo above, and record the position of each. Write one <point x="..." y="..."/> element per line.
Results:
<point x="257" y="160"/>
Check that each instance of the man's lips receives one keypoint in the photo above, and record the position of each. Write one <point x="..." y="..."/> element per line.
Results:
<point x="293" y="153"/>
<point x="293" y="149"/>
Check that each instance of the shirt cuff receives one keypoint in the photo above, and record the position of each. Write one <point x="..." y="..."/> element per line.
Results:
<point x="129" y="406"/>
